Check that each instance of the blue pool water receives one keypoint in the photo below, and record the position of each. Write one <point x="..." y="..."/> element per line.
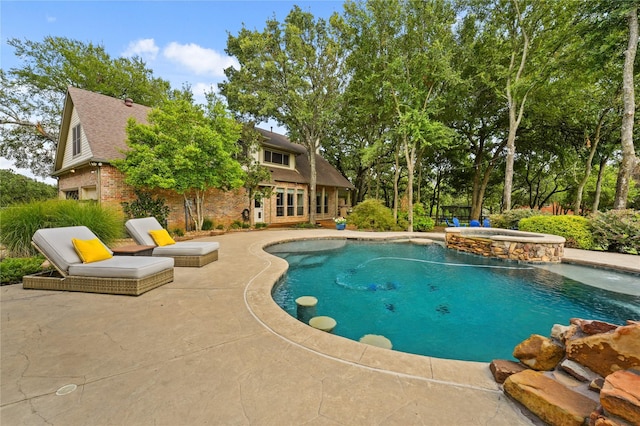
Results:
<point x="437" y="302"/>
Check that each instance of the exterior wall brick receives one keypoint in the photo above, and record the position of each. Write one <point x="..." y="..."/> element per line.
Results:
<point x="221" y="207"/>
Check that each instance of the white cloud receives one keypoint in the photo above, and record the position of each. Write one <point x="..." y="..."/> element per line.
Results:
<point x="51" y="18"/>
<point x="200" y="60"/>
<point x="145" y="48"/>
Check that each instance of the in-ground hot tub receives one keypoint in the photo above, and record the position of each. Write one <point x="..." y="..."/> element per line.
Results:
<point x="506" y="244"/>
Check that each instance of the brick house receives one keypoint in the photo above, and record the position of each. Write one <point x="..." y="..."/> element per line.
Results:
<point x="92" y="134"/>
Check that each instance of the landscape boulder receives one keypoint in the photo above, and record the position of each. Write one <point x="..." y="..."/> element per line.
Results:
<point x="552" y="402"/>
<point x="620" y="395"/>
<point x="539" y="353"/>
<point x="608" y="352"/>
<point x="502" y="368"/>
<point x="592" y="326"/>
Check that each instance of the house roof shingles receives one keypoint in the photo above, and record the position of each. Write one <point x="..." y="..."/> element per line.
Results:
<point x="104" y="120"/>
<point x="326" y="174"/>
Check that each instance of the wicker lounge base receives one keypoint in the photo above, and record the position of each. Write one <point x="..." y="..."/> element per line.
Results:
<point x="126" y="286"/>
<point x="195" y="261"/>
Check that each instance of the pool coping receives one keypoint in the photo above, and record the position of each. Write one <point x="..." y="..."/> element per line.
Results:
<point x="260" y="303"/>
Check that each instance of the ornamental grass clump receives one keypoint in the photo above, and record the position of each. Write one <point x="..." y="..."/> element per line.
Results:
<point x="18" y="223"/>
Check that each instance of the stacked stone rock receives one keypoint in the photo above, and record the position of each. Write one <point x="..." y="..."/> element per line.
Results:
<point x="585" y="373"/>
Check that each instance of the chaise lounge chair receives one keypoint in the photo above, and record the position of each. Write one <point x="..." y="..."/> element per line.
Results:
<point x="185" y="253"/>
<point x="114" y="275"/>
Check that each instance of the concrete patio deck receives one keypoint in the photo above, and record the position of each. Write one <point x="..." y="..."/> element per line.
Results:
<point x="213" y="348"/>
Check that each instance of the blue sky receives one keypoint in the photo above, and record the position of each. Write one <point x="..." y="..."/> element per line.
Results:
<point x="181" y="41"/>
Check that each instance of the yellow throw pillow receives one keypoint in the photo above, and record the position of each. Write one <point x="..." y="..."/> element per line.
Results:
<point x="91" y="250"/>
<point x="161" y="237"/>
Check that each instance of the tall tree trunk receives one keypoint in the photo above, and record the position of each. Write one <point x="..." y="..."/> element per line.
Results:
<point x="596" y="198"/>
<point x="396" y="190"/>
<point x="410" y="156"/>
<point x="312" y="185"/>
<point x="628" y="162"/>
<point x="515" y="115"/>
<point x="587" y="168"/>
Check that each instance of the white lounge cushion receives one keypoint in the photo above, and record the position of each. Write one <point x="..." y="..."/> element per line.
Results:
<point x="56" y="244"/>
<point x="139" y="230"/>
<point x="122" y="267"/>
<point x="187" y="248"/>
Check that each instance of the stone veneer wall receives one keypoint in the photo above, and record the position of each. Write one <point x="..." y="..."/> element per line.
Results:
<point x="512" y="250"/>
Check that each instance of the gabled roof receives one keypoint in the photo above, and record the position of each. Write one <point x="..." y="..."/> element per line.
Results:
<point x="104" y="121"/>
<point x="326" y="174"/>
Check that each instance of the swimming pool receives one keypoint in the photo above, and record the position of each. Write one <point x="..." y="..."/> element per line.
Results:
<point x="436" y="302"/>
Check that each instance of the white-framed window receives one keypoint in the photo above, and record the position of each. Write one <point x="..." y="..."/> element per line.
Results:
<point x="300" y="202"/>
<point x="279" y="202"/>
<point x="276" y="157"/>
<point x="77" y="140"/>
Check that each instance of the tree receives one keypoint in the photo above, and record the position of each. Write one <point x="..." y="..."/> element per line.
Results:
<point x="184" y="148"/>
<point x="401" y="50"/>
<point x="15" y="188"/>
<point x="31" y="97"/>
<point x="628" y="97"/>
<point x="289" y="72"/>
<point x="526" y="37"/>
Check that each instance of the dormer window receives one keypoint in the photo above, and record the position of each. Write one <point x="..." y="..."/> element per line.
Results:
<point x="276" y="158"/>
<point x="76" y="140"/>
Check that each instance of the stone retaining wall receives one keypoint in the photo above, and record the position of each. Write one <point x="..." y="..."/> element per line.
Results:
<point x="528" y="247"/>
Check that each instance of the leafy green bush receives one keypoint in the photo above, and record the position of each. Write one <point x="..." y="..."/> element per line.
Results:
<point x="575" y="229"/>
<point x="12" y="269"/>
<point x="178" y="232"/>
<point x="511" y="218"/>
<point x="147" y="206"/>
<point x="372" y="215"/>
<point x="617" y="230"/>
<point x="207" y="224"/>
<point x="421" y="222"/>
<point x="261" y="225"/>
<point x="18" y="223"/>
<point x="305" y="225"/>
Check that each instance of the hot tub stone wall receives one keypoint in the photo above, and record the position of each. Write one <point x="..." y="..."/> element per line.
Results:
<point x="526" y="252"/>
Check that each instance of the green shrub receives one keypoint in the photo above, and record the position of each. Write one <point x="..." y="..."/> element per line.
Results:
<point x="421" y="222"/>
<point x="372" y="215"/>
<point x="220" y="227"/>
<point x="207" y="225"/>
<point x="147" y="206"/>
<point x="178" y="232"/>
<point x="261" y="225"/>
<point x="19" y="222"/>
<point x="575" y="229"/>
<point x="305" y="225"/>
<point x="511" y="218"/>
<point x="236" y="224"/>
<point x="617" y="230"/>
<point x="12" y="269"/>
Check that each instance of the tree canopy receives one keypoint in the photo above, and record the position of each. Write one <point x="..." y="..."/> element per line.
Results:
<point x="31" y="96"/>
<point x="185" y="148"/>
